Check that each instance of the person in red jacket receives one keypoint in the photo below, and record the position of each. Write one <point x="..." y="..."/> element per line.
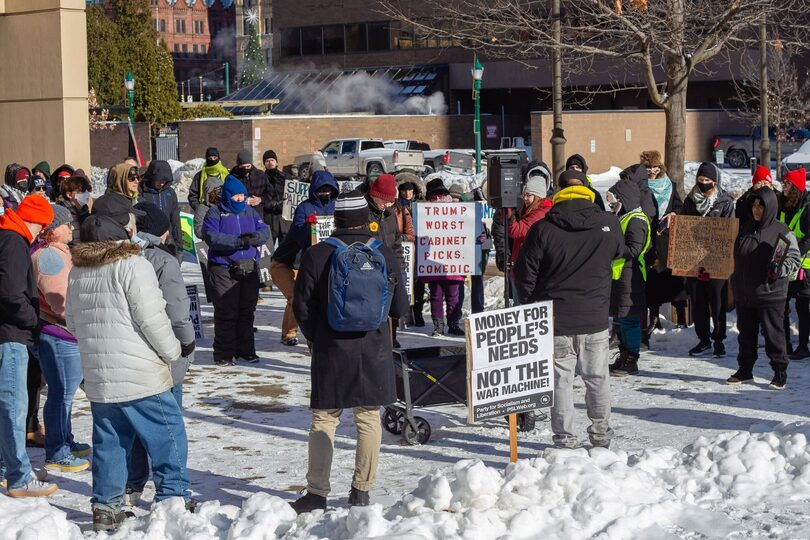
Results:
<point x="535" y="207"/>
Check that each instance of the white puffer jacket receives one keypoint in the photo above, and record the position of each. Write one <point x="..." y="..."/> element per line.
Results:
<point x="118" y="315"/>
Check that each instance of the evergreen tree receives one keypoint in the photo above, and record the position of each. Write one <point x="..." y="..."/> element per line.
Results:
<point x="254" y="67"/>
<point x="105" y="64"/>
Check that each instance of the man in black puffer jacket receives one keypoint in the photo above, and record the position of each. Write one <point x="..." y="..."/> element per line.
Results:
<point x="760" y="287"/>
<point x="156" y="188"/>
<point x="567" y="258"/>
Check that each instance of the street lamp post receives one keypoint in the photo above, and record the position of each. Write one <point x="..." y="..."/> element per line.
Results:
<point x="477" y="74"/>
<point x="129" y="84"/>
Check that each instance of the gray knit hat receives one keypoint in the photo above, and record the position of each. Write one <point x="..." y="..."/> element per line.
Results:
<point x="351" y="210"/>
<point x="61" y="216"/>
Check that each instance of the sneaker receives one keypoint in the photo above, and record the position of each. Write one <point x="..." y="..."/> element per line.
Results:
<point x="106" y="520"/>
<point x="80" y="449"/>
<point x="34" y="488"/>
<point x="249" y="358"/>
<point x="800" y="353"/>
<point x="132" y="497"/>
<point x="779" y="380"/>
<point x="70" y="464"/>
<point x="289" y="341"/>
<point x="358" y="497"/>
<point x="39" y="474"/>
<point x="223" y="362"/>
<point x="308" y="503"/>
<point x="719" y="350"/>
<point x="740" y="377"/>
<point x="700" y="348"/>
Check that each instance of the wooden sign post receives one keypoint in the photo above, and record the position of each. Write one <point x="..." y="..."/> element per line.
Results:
<point x="702" y="244"/>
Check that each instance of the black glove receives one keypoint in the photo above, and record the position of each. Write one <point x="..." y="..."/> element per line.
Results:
<point x="499" y="261"/>
<point x="244" y="241"/>
<point x="187" y="349"/>
<point x="253" y="239"/>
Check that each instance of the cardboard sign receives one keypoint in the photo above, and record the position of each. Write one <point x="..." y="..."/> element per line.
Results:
<point x="702" y="242"/>
<point x="510" y="360"/>
<point x="324" y="228"/>
<point x="194" y="311"/>
<point x="187" y="231"/>
<point x="407" y="268"/>
<point x="445" y="239"/>
<point x="295" y="193"/>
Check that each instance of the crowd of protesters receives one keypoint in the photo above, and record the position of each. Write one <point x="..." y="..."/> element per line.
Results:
<point x="87" y="286"/>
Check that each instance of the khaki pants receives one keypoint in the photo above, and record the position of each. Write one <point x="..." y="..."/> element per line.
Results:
<point x="321" y="447"/>
<point x="284" y="278"/>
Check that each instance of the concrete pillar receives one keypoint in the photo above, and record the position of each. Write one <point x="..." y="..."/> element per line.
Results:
<point x="43" y="83"/>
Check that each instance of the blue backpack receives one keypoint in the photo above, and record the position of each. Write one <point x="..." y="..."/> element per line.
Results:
<point x="359" y="293"/>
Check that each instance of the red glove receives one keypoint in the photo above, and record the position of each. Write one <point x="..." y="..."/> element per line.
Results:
<point x="703" y="275"/>
<point x="312" y="218"/>
<point x="772" y="275"/>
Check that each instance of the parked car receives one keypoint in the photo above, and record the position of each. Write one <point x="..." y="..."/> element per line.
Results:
<point x="359" y="157"/>
<point x="738" y="149"/>
<point x="798" y="159"/>
<point x="461" y="161"/>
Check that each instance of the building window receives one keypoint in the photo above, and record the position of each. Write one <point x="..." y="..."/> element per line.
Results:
<point x="202" y="49"/>
<point x="401" y="36"/>
<point x="194" y="49"/>
<point x="333" y="39"/>
<point x="291" y="42"/>
<point x="378" y="36"/>
<point x="355" y="38"/>
<point x="311" y="40"/>
<point x="185" y="49"/>
<point x="268" y="57"/>
<point x="176" y="48"/>
<point x="163" y="25"/>
<point x="180" y="26"/>
<point x="266" y="25"/>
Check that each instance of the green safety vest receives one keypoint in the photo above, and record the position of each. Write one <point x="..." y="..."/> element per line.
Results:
<point x="618" y="264"/>
<point x="795" y="227"/>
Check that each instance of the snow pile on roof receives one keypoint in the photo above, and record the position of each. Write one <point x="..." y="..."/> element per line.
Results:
<point x="566" y="494"/>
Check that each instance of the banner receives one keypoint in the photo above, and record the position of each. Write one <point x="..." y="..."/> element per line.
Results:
<point x="194" y="311"/>
<point x="187" y="231"/>
<point x="706" y="243"/>
<point x="295" y="193"/>
<point x="445" y="239"/>
<point x="407" y="268"/>
<point x="510" y="360"/>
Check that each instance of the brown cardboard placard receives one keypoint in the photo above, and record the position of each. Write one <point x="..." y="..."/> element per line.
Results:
<point x="702" y="242"/>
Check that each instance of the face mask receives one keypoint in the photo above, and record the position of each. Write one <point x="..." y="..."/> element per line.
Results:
<point x="83" y="198"/>
<point x="243" y="173"/>
<point x="211" y="162"/>
<point x="22" y="186"/>
<point x="140" y="242"/>
<point x="324" y="199"/>
<point x="704" y="188"/>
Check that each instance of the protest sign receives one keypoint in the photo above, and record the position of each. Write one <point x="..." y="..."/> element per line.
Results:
<point x="194" y="311"/>
<point x="187" y="232"/>
<point x="407" y="268"/>
<point x="445" y="239"/>
<point x="510" y="367"/>
<point x="295" y="192"/>
<point x="702" y="242"/>
<point x="346" y="186"/>
<point x="324" y="228"/>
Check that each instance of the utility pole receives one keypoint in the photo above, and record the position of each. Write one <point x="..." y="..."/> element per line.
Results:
<point x="765" y="139"/>
<point x="557" y="134"/>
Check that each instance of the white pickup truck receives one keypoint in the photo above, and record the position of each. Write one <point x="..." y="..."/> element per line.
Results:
<point x="359" y="157"/>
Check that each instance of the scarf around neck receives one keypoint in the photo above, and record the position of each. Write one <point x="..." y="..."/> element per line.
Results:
<point x="662" y="191"/>
<point x="702" y="202"/>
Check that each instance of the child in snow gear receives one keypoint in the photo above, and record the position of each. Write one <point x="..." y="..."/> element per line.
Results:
<point x="760" y="289"/>
<point x="349" y="369"/>
<point x="794" y="212"/>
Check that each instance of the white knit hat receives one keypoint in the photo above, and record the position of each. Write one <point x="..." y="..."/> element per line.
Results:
<point x="536" y="185"/>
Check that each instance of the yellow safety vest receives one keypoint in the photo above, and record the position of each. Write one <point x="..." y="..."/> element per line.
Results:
<point x="796" y="228"/>
<point x="618" y="264"/>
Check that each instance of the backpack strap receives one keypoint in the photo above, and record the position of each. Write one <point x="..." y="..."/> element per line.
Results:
<point x="336" y="243"/>
<point x="374" y="243"/>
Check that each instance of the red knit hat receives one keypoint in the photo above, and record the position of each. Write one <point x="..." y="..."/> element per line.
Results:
<point x="385" y="188"/>
<point x="36" y="209"/>
<point x="21" y="174"/>
<point x="762" y="174"/>
<point x="798" y="178"/>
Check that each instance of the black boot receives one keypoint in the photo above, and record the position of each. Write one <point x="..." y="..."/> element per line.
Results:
<point x="308" y="503"/>
<point x="106" y="520"/>
<point x="740" y="376"/>
<point x="800" y="353"/>
<point x="358" y="497"/>
<point x="779" y="380"/>
<point x="418" y="319"/>
<point x="438" y="328"/>
<point x="630" y="366"/>
<point x="621" y="358"/>
<point x="455" y="329"/>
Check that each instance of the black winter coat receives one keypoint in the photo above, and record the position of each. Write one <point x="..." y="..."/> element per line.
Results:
<point x="800" y="288"/>
<point x="276" y="180"/>
<point x="567" y="258"/>
<point x="723" y="206"/>
<point x="387" y="228"/>
<point x="165" y="199"/>
<point x="638" y="175"/>
<point x="257" y="186"/>
<point x="753" y="251"/>
<point x="628" y="291"/>
<point x="19" y="303"/>
<point x="349" y="369"/>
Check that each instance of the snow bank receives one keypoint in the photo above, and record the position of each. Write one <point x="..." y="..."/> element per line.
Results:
<point x="468" y="182"/>
<point x="566" y="494"/>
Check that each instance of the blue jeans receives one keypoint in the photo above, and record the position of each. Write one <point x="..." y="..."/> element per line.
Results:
<point x="158" y="422"/>
<point x="137" y="458"/>
<point x="62" y="368"/>
<point x="630" y="333"/>
<point x="14" y="464"/>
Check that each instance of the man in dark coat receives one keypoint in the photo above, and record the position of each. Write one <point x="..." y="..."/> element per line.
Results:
<point x="349" y="369"/>
<point x="156" y="188"/>
<point x="567" y="258"/>
<point x="760" y="287"/>
<point x="276" y="180"/>
<point x="211" y="176"/>
<point x="577" y="163"/>
<point x="794" y="211"/>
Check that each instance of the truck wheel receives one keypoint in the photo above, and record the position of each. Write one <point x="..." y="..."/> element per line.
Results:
<point x="737" y="159"/>
<point x="374" y="169"/>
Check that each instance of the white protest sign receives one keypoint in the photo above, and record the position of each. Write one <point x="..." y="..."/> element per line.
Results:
<point x="295" y="193"/>
<point x="407" y="267"/>
<point x="445" y="239"/>
<point x="510" y="360"/>
<point x="324" y="228"/>
<point x="194" y="311"/>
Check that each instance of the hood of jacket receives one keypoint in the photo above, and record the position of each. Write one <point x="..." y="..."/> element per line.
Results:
<point x="157" y="170"/>
<point x="102" y="253"/>
<point x="576" y="158"/>
<point x="771" y="203"/>
<point x="575" y="214"/>
<point x="628" y="193"/>
<point x="636" y="173"/>
<point x="319" y="180"/>
<point x="117" y="181"/>
<point x="406" y="177"/>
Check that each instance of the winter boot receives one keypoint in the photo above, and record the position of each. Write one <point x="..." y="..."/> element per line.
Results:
<point x="455" y="329"/>
<point x="630" y="366"/>
<point x="438" y="328"/>
<point x="719" y="349"/>
<point x="106" y="520"/>
<point x="800" y="353"/>
<point x="358" y="497"/>
<point x="741" y="376"/>
<point x="779" y="380"/>
<point x="418" y="319"/>
<point x="620" y="360"/>
<point x="308" y="503"/>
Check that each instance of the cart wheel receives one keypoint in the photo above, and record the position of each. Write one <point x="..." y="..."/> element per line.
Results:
<point x="526" y="421"/>
<point x="420" y="436"/>
<point x="392" y="421"/>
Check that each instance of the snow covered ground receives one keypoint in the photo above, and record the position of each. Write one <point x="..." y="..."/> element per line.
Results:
<point x="692" y="458"/>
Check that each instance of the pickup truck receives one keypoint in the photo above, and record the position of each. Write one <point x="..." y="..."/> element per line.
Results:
<point x="349" y="158"/>
<point x="454" y="161"/>
<point x="739" y="149"/>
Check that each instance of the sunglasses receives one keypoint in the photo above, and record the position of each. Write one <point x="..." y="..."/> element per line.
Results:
<point x="39" y="189"/>
<point x="135" y="178"/>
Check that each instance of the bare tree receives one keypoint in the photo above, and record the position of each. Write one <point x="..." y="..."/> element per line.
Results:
<point x="660" y="42"/>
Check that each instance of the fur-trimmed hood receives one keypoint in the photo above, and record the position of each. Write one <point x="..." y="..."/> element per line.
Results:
<point x="404" y="177"/>
<point x="102" y="253"/>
